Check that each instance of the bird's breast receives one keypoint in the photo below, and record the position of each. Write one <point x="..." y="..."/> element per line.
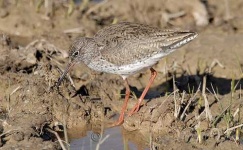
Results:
<point x="102" y="65"/>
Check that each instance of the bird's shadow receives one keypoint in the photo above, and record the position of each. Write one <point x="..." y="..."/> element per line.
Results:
<point x="187" y="83"/>
<point x="190" y="84"/>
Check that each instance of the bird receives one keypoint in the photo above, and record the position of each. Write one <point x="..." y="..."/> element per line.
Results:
<point x="126" y="48"/>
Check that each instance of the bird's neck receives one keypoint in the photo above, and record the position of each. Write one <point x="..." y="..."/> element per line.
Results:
<point x="92" y="52"/>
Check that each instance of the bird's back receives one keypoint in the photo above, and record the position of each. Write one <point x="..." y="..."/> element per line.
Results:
<point x="125" y="43"/>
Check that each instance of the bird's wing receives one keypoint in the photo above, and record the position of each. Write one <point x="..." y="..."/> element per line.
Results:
<point x="125" y="42"/>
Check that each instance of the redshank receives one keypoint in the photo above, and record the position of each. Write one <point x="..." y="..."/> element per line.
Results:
<point x="125" y="49"/>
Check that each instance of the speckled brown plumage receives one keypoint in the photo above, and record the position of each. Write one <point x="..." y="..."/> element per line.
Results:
<point x="125" y="49"/>
<point x="125" y="43"/>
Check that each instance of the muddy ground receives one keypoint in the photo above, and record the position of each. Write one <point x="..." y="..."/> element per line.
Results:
<point x="197" y="110"/>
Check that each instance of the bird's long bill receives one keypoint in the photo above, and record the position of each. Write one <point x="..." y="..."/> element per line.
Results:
<point x="69" y="66"/>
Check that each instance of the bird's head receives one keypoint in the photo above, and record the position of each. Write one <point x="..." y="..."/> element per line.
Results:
<point x="79" y="51"/>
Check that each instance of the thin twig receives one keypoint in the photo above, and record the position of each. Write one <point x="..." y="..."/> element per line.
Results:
<point x="14" y="130"/>
<point x="236" y="112"/>
<point x="101" y="140"/>
<point x="214" y="63"/>
<point x="65" y="132"/>
<point x="221" y="114"/>
<point x="58" y="138"/>
<point x="218" y="133"/>
<point x="235" y="127"/>
<point x="189" y="103"/>
<point x="175" y="102"/>
<point x="208" y="112"/>
<point x="74" y="30"/>
<point x="150" y="127"/>
<point x="14" y="90"/>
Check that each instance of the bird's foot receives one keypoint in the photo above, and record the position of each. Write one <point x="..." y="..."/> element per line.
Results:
<point x="134" y="110"/>
<point x="118" y="122"/>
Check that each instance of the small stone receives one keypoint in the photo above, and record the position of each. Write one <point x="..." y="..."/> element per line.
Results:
<point x="18" y="136"/>
<point x="3" y="13"/>
<point x="84" y="76"/>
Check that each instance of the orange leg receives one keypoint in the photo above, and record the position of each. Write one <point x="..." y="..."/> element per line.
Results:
<point x="140" y="100"/>
<point x="124" y="107"/>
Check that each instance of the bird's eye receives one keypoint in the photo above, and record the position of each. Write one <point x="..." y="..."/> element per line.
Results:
<point x="75" y="53"/>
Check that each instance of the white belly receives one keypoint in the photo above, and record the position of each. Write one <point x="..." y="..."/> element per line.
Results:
<point x="126" y="70"/>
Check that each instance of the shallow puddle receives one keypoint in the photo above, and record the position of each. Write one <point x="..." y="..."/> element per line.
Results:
<point x="113" y="138"/>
